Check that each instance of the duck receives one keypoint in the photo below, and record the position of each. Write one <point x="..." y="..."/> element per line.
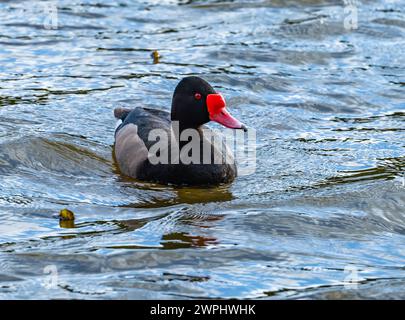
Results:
<point x="194" y="103"/>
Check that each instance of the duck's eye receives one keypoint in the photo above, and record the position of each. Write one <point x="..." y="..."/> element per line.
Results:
<point x="197" y="96"/>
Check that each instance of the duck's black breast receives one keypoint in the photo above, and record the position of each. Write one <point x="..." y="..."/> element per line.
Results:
<point x="131" y="152"/>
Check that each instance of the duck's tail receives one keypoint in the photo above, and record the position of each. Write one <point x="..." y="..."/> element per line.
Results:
<point x="121" y="113"/>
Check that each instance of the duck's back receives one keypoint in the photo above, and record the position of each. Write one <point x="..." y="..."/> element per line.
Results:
<point x="145" y="120"/>
<point x="131" y="152"/>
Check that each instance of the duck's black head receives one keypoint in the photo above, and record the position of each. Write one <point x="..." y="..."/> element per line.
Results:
<point x="195" y="102"/>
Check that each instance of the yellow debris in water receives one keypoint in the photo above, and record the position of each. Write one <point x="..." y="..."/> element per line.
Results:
<point x="156" y="56"/>
<point x="67" y="224"/>
<point x="66" y="215"/>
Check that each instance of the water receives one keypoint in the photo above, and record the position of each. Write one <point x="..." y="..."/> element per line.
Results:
<point x="322" y="216"/>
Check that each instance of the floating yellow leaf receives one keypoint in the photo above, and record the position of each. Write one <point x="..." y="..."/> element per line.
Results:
<point x="156" y="56"/>
<point x="66" y="224"/>
<point x="66" y="215"/>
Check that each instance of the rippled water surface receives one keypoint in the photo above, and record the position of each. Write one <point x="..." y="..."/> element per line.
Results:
<point x="325" y="206"/>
